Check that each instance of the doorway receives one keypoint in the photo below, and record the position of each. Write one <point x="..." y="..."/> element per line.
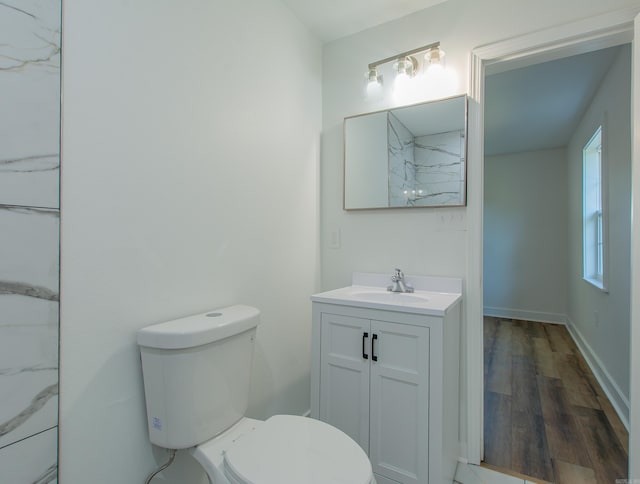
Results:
<point x="546" y="415"/>
<point x="610" y="29"/>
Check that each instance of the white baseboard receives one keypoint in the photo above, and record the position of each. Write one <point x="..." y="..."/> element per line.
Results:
<point x="618" y="400"/>
<point x="538" y="316"/>
<point x="463" y="454"/>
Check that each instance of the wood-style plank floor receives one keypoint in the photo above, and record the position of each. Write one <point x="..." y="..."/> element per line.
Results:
<point x="545" y="415"/>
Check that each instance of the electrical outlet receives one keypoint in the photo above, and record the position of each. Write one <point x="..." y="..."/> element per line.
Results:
<point x="451" y="219"/>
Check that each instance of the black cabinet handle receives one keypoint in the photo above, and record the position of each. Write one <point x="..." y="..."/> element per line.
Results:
<point x="364" y="355"/>
<point x="373" y="347"/>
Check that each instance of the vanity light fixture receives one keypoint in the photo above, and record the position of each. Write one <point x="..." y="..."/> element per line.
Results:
<point x="406" y="65"/>
<point x="434" y="62"/>
<point x="434" y="56"/>
<point x="413" y="194"/>
<point x="374" y="83"/>
<point x="373" y="77"/>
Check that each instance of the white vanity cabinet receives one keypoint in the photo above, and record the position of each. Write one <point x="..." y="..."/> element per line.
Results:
<point x="389" y="379"/>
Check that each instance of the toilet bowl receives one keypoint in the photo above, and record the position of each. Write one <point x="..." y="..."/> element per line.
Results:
<point x="284" y="449"/>
<point x="196" y="373"/>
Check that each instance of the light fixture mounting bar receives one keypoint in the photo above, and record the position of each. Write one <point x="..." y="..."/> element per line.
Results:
<point x="404" y="54"/>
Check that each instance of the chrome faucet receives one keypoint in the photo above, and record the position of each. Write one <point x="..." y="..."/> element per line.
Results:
<point x="398" y="283"/>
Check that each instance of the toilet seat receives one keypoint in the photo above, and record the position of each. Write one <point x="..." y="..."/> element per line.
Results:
<point x="287" y="449"/>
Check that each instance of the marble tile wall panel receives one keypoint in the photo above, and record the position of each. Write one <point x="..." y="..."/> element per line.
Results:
<point x="29" y="239"/>
<point x="440" y="169"/>
<point x="30" y="113"/>
<point x="402" y="172"/>
<point x="28" y="322"/>
<point x="31" y="461"/>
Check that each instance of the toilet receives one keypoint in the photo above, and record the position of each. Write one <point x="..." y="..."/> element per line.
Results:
<point x="196" y="374"/>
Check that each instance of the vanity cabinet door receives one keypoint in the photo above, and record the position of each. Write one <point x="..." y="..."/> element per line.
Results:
<point x="344" y="375"/>
<point x="398" y="446"/>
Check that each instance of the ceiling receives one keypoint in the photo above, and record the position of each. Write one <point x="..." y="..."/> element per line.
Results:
<point x="333" y="19"/>
<point x="539" y="106"/>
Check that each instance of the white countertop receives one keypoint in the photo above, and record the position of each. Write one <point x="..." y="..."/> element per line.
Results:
<point x="427" y="302"/>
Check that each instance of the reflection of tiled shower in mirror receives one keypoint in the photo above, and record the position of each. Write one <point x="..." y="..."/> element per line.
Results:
<point x="425" y="170"/>
<point x="29" y="239"/>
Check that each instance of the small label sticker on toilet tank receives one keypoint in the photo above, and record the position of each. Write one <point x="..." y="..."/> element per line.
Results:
<point x="157" y="423"/>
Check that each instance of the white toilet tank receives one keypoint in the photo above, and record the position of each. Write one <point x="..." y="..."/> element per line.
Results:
<point x="196" y="374"/>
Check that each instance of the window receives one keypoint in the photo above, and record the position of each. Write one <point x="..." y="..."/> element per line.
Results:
<point x="593" y="225"/>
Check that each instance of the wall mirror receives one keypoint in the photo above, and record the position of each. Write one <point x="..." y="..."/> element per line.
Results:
<point x="412" y="156"/>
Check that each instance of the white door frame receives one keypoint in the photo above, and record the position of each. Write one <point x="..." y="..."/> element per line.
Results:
<point x="606" y="30"/>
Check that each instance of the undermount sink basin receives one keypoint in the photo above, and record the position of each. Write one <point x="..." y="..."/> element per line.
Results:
<point x="390" y="297"/>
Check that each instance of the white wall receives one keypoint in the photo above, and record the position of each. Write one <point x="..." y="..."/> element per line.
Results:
<point x="603" y="319"/>
<point x="421" y="241"/>
<point x="190" y="182"/>
<point x="525" y="235"/>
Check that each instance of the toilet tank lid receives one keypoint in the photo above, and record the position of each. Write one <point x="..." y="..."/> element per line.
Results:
<point x="199" y="329"/>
